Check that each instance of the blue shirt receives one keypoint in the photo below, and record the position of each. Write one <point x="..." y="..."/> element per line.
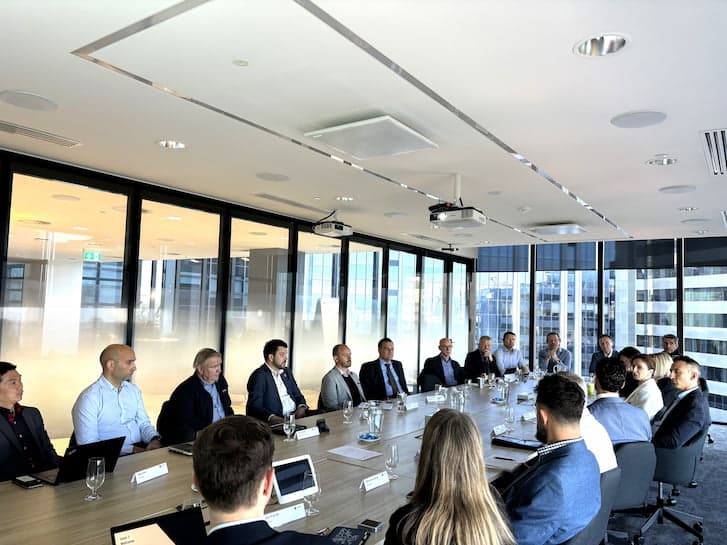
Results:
<point x="217" y="411"/>
<point x="103" y="412"/>
<point x="623" y="422"/>
<point x="448" y="372"/>
<point x="508" y="359"/>
<point x="389" y="390"/>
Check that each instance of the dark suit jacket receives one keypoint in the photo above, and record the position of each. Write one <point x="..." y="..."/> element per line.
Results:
<point x="372" y="379"/>
<point x="598" y="356"/>
<point x="683" y="422"/>
<point x="189" y="410"/>
<point x="259" y="533"/>
<point x="12" y="462"/>
<point x="474" y="366"/>
<point x="433" y="367"/>
<point x="262" y="394"/>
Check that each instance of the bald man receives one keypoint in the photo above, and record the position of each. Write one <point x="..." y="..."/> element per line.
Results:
<point x="112" y="406"/>
<point x="441" y="369"/>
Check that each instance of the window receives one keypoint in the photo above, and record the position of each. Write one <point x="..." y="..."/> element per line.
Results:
<point x="433" y="296"/>
<point x="364" y="319"/>
<point x="459" y="312"/>
<point x="402" y="324"/>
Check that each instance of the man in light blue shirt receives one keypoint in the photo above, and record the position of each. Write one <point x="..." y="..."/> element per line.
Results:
<point x="112" y="406"/>
<point x="507" y="357"/>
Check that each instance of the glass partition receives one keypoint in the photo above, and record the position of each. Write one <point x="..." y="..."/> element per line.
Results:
<point x="176" y="312"/>
<point x="259" y="300"/>
<point x="364" y="319"/>
<point x="62" y="291"/>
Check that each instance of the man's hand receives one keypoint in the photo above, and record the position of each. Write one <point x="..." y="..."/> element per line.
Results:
<point x="154" y="444"/>
<point x="300" y="412"/>
<point x="275" y="419"/>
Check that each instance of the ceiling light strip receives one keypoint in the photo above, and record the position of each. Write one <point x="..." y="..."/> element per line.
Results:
<point x="356" y="40"/>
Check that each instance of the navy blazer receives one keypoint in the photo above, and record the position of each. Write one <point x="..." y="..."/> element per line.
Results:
<point x="597" y="356"/>
<point x="372" y="379"/>
<point x="12" y="462"/>
<point x="259" y="533"/>
<point x="433" y="366"/>
<point x="262" y="394"/>
<point x="555" y="499"/>
<point x="687" y="419"/>
<point x="189" y="410"/>
<point x="475" y="365"/>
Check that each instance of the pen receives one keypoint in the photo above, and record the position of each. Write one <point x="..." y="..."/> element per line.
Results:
<point x="503" y="458"/>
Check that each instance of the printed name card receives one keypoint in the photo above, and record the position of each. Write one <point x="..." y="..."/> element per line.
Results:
<point x="499" y="430"/>
<point x="411" y="405"/>
<point x="436" y="399"/>
<point x="308" y="432"/>
<point x="285" y="515"/>
<point x="530" y="415"/>
<point x="374" y="481"/>
<point x="525" y="396"/>
<point x="150" y="473"/>
<point x="387" y="405"/>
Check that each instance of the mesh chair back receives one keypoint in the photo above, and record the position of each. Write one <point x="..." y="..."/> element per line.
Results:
<point x="678" y="466"/>
<point x="637" y="462"/>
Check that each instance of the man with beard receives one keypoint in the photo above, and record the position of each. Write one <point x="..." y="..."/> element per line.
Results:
<point x="558" y="494"/>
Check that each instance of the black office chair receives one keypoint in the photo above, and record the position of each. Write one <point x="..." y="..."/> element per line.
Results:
<point x="427" y="382"/>
<point x="677" y="467"/>
<point x="595" y="532"/>
<point x="637" y="462"/>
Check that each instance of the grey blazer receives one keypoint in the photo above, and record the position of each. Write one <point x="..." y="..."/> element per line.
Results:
<point x="334" y="390"/>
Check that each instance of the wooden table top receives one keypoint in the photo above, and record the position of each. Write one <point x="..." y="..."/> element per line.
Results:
<point x="53" y="514"/>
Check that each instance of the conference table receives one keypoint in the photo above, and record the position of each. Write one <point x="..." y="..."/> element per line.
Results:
<point x="59" y="514"/>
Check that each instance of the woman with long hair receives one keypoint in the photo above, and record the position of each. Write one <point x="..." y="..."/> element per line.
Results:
<point x="647" y="394"/>
<point x="451" y="503"/>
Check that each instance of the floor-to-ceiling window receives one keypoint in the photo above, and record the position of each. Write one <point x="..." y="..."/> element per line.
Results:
<point x="364" y="318"/>
<point x="433" y="319"/>
<point x="176" y="312"/>
<point x="459" y="320"/>
<point x="62" y="290"/>
<point x="317" y="325"/>
<point x="258" y="306"/>
<point x="402" y="319"/>
<point x="566" y="299"/>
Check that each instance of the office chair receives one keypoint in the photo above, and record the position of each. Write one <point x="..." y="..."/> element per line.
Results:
<point x="427" y="382"/>
<point x="677" y="467"/>
<point x="595" y="532"/>
<point x="637" y="462"/>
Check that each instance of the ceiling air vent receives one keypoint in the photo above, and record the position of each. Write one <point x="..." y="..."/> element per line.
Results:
<point x="381" y="136"/>
<point x="289" y="202"/>
<point x="51" y="138"/>
<point x="715" y="145"/>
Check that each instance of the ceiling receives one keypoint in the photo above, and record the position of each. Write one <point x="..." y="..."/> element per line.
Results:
<point x="496" y="85"/>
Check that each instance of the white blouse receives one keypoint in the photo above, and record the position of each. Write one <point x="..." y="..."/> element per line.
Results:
<point x="647" y="395"/>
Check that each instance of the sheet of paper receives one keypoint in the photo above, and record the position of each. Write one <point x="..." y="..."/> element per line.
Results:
<point x="355" y="453"/>
<point x="144" y="535"/>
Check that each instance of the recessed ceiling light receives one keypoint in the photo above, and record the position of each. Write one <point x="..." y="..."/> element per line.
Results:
<point x="637" y="120"/>
<point x="662" y="160"/>
<point x="687" y="208"/>
<point x="557" y="229"/>
<point x="62" y="197"/>
<point x="600" y="46"/>
<point x="394" y="215"/>
<point x="171" y="144"/>
<point x="695" y="221"/>
<point x="79" y="228"/>
<point x="702" y="231"/>
<point x="272" y="177"/>
<point x="240" y="62"/>
<point x="27" y="100"/>
<point x="675" y="189"/>
<point x="316" y="198"/>
<point x="344" y="198"/>
<point x="174" y="218"/>
<point x="34" y="222"/>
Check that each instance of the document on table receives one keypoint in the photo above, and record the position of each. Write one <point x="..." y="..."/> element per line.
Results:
<point x="355" y="453"/>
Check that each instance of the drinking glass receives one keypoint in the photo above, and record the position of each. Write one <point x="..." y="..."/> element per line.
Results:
<point x="311" y="499"/>
<point x="289" y="426"/>
<point x="347" y="411"/>
<point x="392" y="460"/>
<point x="376" y="418"/>
<point x="509" y="417"/>
<point x="95" y="477"/>
<point x="401" y="406"/>
<point x="364" y="410"/>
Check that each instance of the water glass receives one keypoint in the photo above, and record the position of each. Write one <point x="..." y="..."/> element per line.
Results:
<point x="289" y="426"/>
<point x="347" y="411"/>
<point x="509" y="417"/>
<point x="392" y="460"/>
<point x="311" y="499"/>
<point x="376" y="418"/>
<point x="364" y="410"/>
<point x="95" y="477"/>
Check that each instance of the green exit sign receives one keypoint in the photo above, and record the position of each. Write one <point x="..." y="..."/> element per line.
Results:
<point x="91" y="256"/>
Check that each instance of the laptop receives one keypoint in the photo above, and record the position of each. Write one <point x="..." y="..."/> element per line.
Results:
<point x="182" y="448"/>
<point x="179" y="528"/>
<point x="74" y="462"/>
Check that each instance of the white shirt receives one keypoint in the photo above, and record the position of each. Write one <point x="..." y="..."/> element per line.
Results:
<point x="285" y="400"/>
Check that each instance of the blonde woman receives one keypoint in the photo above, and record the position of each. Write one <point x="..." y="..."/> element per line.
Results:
<point x="662" y="370"/>
<point x="451" y="502"/>
<point x="647" y="394"/>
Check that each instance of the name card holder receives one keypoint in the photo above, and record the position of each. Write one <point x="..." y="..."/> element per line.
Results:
<point x="411" y="405"/>
<point x="499" y="430"/>
<point x="149" y="473"/>
<point x="528" y="416"/>
<point x="285" y="515"/>
<point x="313" y="431"/>
<point x="436" y="399"/>
<point x="369" y="483"/>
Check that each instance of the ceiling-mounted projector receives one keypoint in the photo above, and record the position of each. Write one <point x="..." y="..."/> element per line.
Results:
<point x="449" y="216"/>
<point x="332" y="229"/>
